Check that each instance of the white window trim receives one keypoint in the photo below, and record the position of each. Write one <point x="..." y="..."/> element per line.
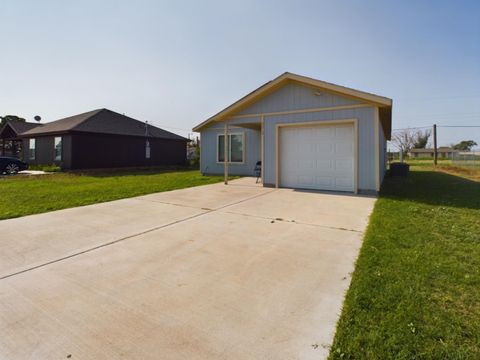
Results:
<point x="148" y="150"/>
<point x="229" y="150"/>
<point x="30" y="157"/>
<point x="55" y="148"/>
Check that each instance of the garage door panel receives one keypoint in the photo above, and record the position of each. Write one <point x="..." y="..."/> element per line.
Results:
<point x="325" y="148"/>
<point x="307" y="148"/>
<point x="317" y="157"/>
<point x="344" y="165"/>
<point x="325" y="182"/>
<point x="343" y="149"/>
<point x="344" y="132"/>
<point x="343" y="183"/>
<point x="307" y="165"/>
<point x="306" y="180"/>
<point x="325" y="134"/>
<point x="326" y="165"/>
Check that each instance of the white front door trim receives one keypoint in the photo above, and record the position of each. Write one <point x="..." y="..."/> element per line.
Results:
<point x="353" y="121"/>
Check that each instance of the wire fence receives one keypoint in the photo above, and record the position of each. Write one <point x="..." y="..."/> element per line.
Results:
<point x="467" y="159"/>
<point x="447" y="153"/>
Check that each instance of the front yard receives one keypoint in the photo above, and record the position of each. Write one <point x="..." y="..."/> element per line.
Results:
<point x="415" y="293"/>
<point x="22" y="195"/>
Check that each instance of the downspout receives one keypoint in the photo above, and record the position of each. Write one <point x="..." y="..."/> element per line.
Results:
<point x="225" y="154"/>
<point x="262" y="147"/>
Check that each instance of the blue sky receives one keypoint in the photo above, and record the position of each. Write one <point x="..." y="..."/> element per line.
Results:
<point x="175" y="63"/>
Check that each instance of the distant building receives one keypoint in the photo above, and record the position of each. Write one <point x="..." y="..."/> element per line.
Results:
<point x="101" y="139"/>
<point x="10" y="141"/>
<point x="442" y="152"/>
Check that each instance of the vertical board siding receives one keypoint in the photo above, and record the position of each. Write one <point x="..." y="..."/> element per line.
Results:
<point x="293" y="97"/>
<point x="296" y="97"/>
<point x="366" y="143"/>
<point x="110" y="151"/>
<point x="66" y="162"/>
<point x="208" y="151"/>
<point x="383" y="153"/>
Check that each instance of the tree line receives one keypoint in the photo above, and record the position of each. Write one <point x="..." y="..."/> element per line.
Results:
<point x="407" y="139"/>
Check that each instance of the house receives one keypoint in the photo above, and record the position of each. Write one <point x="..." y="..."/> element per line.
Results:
<point x="442" y="152"/>
<point x="10" y="141"/>
<point x="102" y="139"/>
<point x="307" y="133"/>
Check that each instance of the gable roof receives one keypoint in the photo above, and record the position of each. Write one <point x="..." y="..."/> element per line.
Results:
<point x="102" y="121"/>
<point x="19" y="127"/>
<point x="266" y="89"/>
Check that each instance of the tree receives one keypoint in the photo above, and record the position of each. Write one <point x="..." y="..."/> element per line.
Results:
<point x="421" y="139"/>
<point x="465" y="145"/>
<point x="408" y="139"/>
<point x="6" y="118"/>
<point x="403" y="140"/>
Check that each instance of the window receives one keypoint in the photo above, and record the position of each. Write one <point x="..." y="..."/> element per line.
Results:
<point x="58" y="148"/>
<point x="31" y="149"/>
<point x="235" y="148"/>
<point x="147" y="149"/>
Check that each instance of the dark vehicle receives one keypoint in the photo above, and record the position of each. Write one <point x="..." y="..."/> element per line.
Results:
<point x="11" y="166"/>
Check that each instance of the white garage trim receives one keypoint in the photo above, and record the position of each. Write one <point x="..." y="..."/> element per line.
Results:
<point x="262" y="148"/>
<point x="376" y="119"/>
<point x="353" y="121"/>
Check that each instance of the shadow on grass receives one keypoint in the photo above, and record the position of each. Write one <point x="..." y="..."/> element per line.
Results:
<point x="433" y="188"/>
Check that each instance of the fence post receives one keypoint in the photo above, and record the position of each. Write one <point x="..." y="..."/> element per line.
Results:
<point x="435" y="155"/>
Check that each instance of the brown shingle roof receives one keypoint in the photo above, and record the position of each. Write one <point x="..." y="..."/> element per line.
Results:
<point x="20" y="127"/>
<point x="102" y="121"/>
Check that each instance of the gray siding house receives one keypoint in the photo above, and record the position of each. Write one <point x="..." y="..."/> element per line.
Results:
<point x="307" y="134"/>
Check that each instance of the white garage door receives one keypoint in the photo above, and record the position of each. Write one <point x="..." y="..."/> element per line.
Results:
<point x="317" y="157"/>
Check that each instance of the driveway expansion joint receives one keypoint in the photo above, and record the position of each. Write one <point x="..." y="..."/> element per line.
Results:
<point x="51" y="262"/>
<point x="273" y="219"/>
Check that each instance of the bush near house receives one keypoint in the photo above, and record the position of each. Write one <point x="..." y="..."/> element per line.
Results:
<point x="46" y="168"/>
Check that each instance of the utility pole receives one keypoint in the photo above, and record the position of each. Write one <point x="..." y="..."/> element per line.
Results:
<point x="435" y="155"/>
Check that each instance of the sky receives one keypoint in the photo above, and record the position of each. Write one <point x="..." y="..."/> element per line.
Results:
<point x="176" y="63"/>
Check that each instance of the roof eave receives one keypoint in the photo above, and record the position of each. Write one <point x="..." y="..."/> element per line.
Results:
<point x="48" y="133"/>
<point x="270" y="86"/>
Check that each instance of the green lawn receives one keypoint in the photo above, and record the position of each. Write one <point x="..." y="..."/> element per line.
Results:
<point x="415" y="292"/>
<point x="22" y="195"/>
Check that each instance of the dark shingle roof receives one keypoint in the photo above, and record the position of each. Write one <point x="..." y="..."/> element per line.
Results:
<point x="102" y="121"/>
<point x="20" y="127"/>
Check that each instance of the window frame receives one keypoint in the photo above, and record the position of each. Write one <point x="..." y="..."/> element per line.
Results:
<point x="60" y="156"/>
<point x="32" y="155"/>
<point x="229" y="153"/>
<point x="148" y="150"/>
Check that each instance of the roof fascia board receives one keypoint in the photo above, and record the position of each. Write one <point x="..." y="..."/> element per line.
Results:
<point x="271" y="86"/>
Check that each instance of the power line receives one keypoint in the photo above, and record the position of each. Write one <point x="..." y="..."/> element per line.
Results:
<point x="459" y="126"/>
<point x="440" y="97"/>
<point x="413" y="128"/>
<point x="443" y="126"/>
<point x="175" y="128"/>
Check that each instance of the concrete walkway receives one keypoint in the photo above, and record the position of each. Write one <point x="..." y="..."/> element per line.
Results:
<point x="211" y="272"/>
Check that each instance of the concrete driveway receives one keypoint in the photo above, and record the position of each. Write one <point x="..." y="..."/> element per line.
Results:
<point x="211" y="272"/>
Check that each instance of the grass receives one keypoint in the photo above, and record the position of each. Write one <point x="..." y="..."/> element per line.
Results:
<point x="47" y="168"/>
<point x="25" y="195"/>
<point x="415" y="292"/>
